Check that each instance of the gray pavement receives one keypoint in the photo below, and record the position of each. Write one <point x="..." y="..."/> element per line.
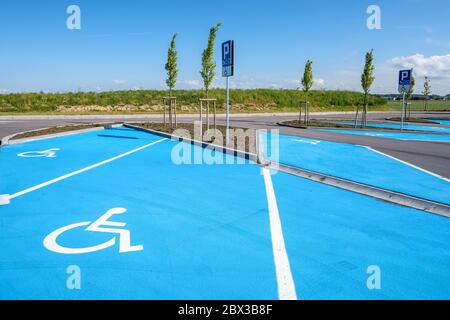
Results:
<point x="432" y="156"/>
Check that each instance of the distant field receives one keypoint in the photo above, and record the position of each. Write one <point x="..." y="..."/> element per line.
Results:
<point x="150" y="101"/>
<point x="418" y="105"/>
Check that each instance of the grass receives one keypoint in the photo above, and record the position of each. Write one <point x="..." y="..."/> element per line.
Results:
<point x="150" y="101"/>
<point x="419" y="105"/>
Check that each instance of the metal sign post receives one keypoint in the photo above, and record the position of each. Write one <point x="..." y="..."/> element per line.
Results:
<point x="227" y="71"/>
<point x="227" y="134"/>
<point x="404" y="84"/>
<point x="403" y="110"/>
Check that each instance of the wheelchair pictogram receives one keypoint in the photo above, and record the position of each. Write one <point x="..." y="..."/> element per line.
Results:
<point x="50" y="153"/>
<point x="100" y="225"/>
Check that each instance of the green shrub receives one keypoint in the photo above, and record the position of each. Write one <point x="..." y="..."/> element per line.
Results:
<point x="254" y="99"/>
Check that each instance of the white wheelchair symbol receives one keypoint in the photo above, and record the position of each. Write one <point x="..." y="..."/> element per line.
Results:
<point x="50" y="153"/>
<point x="50" y="242"/>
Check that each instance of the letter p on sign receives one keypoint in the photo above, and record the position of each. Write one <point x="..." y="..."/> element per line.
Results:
<point x="405" y="75"/>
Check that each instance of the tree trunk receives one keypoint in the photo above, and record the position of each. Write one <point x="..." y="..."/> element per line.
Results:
<point x="366" y="107"/>
<point x="170" y="107"/>
<point x="364" y="124"/>
<point x="164" y="110"/>
<point x="300" y="112"/>
<point x="207" y="105"/>
<point x="306" y="110"/>
<point x="356" y="115"/>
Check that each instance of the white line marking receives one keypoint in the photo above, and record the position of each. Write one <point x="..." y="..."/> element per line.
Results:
<point x="42" y="185"/>
<point x="285" y="281"/>
<point x="4" y="199"/>
<point x="408" y="164"/>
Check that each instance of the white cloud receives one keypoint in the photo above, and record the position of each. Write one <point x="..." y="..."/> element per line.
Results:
<point x="119" y="82"/>
<point x="319" y="82"/>
<point x="437" y="67"/>
<point x="3" y="90"/>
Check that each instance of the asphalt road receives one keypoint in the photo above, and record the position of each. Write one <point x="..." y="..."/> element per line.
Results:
<point x="432" y="156"/>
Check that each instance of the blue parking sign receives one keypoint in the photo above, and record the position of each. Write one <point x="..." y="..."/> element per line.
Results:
<point x="404" y="80"/>
<point x="404" y="77"/>
<point x="228" y="58"/>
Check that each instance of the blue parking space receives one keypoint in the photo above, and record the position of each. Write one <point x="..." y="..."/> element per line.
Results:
<point x="197" y="231"/>
<point x="358" y="163"/>
<point x="395" y="135"/>
<point x="333" y="240"/>
<point x="119" y="206"/>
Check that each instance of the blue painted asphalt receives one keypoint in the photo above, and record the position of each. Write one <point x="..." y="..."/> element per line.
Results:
<point x="332" y="239"/>
<point x="201" y="239"/>
<point x="204" y="228"/>
<point x="77" y="151"/>
<point x="406" y="126"/>
<point x="360" y="164"/>
<point x="395" y="135"/>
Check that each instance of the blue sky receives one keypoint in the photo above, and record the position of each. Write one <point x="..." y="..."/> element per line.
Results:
<point x="123" y="44"/>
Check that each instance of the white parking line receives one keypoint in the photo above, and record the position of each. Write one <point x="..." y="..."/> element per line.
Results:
<point x="285" y="281"/>
<point x="45" y="184"/>
<point x="408" y="164"/>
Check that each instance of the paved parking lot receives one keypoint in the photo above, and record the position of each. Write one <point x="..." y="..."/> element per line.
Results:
<point x="140" y="226"/>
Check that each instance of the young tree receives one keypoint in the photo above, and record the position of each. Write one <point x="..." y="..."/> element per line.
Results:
<point x="307" y="83"/>
<point x="426" y="91"/>
<point x="410" y="93"/>
<point x="172" y="71"/>
<point x="171" y="65"/>
<point x="367" y="79"/>
<point x="208" y="71"/>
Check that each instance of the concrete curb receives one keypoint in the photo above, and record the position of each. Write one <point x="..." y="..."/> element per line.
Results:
<point x="8" y="139"/>
<point x="236" y="153"/>
<point x="374" y="129"/>
<point x="368" y="190"/>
